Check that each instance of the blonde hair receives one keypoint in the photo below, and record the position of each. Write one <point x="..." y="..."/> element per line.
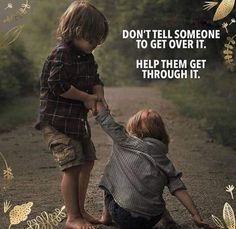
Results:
<point x="148" y="123"/>
<point x="82" y="20"/>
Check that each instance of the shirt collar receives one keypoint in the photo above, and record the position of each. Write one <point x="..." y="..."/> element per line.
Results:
<point x="76" y="50"/>
<point x="157" y="142"/>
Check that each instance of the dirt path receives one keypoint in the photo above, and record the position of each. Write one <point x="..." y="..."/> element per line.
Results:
<point x="207" y="167"/>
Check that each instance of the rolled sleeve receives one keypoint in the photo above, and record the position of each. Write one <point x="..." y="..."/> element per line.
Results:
<point x="116" y="131"/>
<point x="175" y="183"/>
<point x="174" y="177"/>
<point x="59" y="77"/>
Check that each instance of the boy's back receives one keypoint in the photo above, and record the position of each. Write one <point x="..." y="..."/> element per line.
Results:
<point x="137" y="171"/>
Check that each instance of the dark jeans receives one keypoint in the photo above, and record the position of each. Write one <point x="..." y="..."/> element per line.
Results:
<point x="125" y="220"/>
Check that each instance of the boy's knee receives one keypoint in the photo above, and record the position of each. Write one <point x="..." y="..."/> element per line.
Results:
<point x="72" y="170"/>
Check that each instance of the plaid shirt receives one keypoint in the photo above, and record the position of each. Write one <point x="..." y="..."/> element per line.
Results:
<point x="66" y="66"/>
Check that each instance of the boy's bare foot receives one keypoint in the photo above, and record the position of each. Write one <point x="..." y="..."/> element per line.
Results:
<point x="78" y="223"/>
<point x="170" y="225"/>
<point x="106" y="219"/>
<point x="90" y="218"/>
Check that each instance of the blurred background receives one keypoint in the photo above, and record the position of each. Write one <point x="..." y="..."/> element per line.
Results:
<point x="210" y="99"/>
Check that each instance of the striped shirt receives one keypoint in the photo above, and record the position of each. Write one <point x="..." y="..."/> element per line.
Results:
<point x="66" y="66"/>
<point x="138" y="170"/>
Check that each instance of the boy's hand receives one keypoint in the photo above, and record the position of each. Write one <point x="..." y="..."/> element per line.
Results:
<point x="90" y="102"/>
<point x="99" y="91"/>
<point x="186" y="200"/>
<point x="99" y="107"/>
<point x="103" y="100"/>
<point x="199" y="222"/>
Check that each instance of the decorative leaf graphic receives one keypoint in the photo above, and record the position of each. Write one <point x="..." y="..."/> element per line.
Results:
<point x="229" y="61"/>
<point x="229" y="46"/>
<point x="9" y="6"/>
<point x="19" y="14"/>
<point x="228" y="57"/>
<point x="228" y="52"/>
<point x="217" y="222"/>
<point x="13" y="34"/>
<point x="228" y="216"/>
<point x="230" y="189"/>
<point x="19" y="213"/>
<point x="225" y="26"/>
<point x="224" y="9"/>
<point x="233" y="20"/>
<point x="7" y="205"/>
<point x="47" y="220"/>
<point x="7" y="173"/>
<point x="209" y="5"/>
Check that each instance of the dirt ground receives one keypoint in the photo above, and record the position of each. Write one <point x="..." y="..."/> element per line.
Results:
<point x="207" y="167"/>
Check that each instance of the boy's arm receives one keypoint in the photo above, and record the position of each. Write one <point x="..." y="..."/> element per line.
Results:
<point x="99" y="91"/>
<point x="177" y="187"/>
<point x="116" y="131"/>
<point x="59" y="80"/>
<point x="98" y="87"/>
<point x="186" y="200"/>
<point x="75" y="94"/>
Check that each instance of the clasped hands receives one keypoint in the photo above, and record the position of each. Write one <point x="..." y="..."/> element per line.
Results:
<point x="95" y="103"/>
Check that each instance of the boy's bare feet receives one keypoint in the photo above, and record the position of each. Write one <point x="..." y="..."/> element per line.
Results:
<point x="78" y="223"/>
<point x="106" y="218"/>
<point x="171" y="225"/>
<point x="90" y="218"/>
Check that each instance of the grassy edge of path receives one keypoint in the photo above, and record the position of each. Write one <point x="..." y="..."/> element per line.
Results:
<point x="18" y="112"/>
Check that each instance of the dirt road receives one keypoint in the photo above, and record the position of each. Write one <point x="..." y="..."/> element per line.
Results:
<point x="207" y="167"/>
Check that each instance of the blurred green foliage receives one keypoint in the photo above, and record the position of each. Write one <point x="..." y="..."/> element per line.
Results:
<point x="18" y="112"/>
<point x="210" y="100"/>
<point x="16" y="72"/>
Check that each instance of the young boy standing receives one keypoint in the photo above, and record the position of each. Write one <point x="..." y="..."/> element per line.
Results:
<point x="70" y="87"/>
